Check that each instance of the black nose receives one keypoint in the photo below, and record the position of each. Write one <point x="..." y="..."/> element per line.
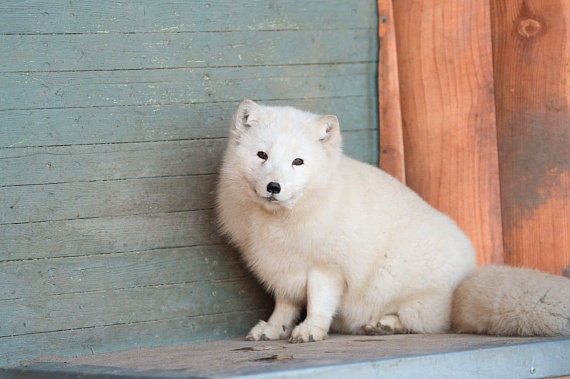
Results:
<point x="273" y="187"/>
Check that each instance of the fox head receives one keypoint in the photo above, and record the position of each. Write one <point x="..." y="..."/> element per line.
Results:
<point x="278" y="155"/>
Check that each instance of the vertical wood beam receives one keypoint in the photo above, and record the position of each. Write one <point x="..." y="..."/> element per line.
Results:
<point x="446" y="84"/>
<point x="391" y="132"/>
<point x="531" y="48"/>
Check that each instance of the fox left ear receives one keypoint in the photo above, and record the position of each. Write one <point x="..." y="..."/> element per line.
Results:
<point x="329" y="131"/>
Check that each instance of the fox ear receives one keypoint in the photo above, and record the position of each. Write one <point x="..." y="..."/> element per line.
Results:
<point x="329" y="131"/>
<point x="247" y="114"/>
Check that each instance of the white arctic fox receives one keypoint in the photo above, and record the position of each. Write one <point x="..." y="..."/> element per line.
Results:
<point x="362" y="252"/>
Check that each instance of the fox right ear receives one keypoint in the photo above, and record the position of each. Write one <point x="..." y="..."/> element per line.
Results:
<point x="247" y="115"/>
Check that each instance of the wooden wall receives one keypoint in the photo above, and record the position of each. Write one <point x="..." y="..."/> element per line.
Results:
<point x="113" y="118"/>
<point x="531" y="50"/>
<point x="448" y="114"/>
<point x="484" y="131"/>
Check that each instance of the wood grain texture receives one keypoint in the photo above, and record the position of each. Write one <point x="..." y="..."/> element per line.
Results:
<point x="80" y="52"/>
<point x="65" y="201"/>
<point x="391" y="129"/>
<point x="531" y="45"/>
<point x="78" y="163"/>
<point x="103" y="235"/>
<point x="59" y="276"/>
<point x="124" y="336"/>
<point x="341" y="356"/>
<point x="165" y="16"/>
<point x="37" y="90"/>
<point x="446" y="83"/>
<point x="125" y="306"/>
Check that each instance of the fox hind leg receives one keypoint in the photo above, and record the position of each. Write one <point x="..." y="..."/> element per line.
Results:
<point x="389" y="324"/>
<point x="428" y="313"/>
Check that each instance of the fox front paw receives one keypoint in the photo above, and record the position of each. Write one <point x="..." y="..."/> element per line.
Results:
<point x="265" y="332"/>
<point x="307" y="333"/>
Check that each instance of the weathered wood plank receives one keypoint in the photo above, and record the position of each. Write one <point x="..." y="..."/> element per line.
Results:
<point x="362" y="145"/>
<point x="120" y="337"/>
<point x="175" y="50"/>
<point x="125" y="306"/>
<point x="39" y="165"/>
<point x="446" y="83"/>
<point x="433" y="356"/>
<point x="105" y="198"/>
<point x="57" y="276"/>
<point x="532" y="75"/>
<point x="44" y="16"/>
<point x="80" y="126"/>
<point x="63" y="164"/>
<point x="390" y="115"/>
<point x="184" y="86"/>
<point x="107" y="235"/>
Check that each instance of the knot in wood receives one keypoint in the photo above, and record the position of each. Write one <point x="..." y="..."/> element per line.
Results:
<point x="529" y="28"/>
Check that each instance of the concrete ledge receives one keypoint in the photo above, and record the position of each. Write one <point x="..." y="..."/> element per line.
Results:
<point x="401" y="356"/>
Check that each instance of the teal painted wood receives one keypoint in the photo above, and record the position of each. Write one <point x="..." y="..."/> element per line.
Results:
<point x="37" y="90"/>
<point x="174" y="50"/>
<point x="65" y="201"/>
<point x="113" y="120"/>
<point x="104" y="235"/>
<point x="77" y="163"/>
<point x="144" y="16"/>
<point x="124" y="336"/>
<point x="89" y="125"/>
<point x="59" y="276"/>
<point x="125" y="306"/>
<point x="364" y="357"/>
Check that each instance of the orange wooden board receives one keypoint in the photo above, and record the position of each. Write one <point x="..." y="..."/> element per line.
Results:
<point x="447" y="99"/>
<point x="391" y="132"/>
<point x="531" y="46"/>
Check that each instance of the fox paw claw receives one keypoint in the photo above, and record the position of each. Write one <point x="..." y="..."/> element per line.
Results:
<point x="266" y="332"/>
<point x="307" y="333"/>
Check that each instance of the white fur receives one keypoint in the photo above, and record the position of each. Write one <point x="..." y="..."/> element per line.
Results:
<point x="512" y="302"/>
<point x="361" y="251"/>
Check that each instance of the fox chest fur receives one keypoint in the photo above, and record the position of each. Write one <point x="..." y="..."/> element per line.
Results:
<point x="281" y="248"/>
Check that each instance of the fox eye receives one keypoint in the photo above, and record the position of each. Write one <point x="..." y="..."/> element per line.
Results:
<point x="262" y="155"/>
<point x="297" y="162"/>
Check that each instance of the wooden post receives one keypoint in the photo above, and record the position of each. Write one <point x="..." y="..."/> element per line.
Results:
<point x="446" y="83"/>
<point x="531" y="46"/>
<point x="391" y="131"/>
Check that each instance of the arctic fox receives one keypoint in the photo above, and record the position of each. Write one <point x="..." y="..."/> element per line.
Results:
<point x="362" y="252"/>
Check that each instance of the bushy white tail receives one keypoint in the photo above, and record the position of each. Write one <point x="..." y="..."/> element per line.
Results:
<point x="510" y="301"/>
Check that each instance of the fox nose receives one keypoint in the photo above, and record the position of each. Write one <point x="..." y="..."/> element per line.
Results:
<point x="273" y="187"/>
